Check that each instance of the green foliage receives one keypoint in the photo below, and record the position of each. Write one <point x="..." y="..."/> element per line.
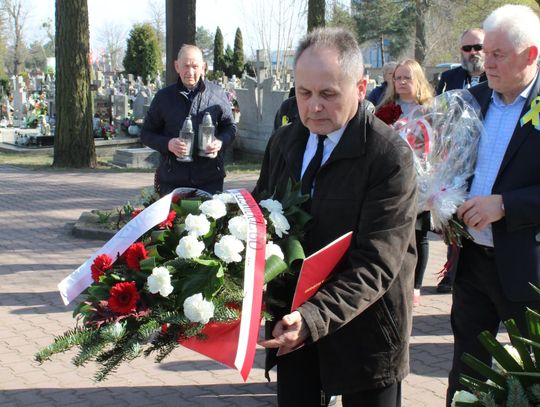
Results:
<point x="219" y="55"/>
<point x="228" y="61"/>
<point x="143" y="56"/>
<point x="385" y="19"/>
<point x="238" y="54"/>
<point x="514" y="380"/>
<point x="342" y="18"/>
<point x="204" y="39"/>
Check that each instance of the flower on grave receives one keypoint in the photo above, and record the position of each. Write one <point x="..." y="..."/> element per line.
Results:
<point x="197" y="225"/>
<point x="213" y="208"/>
<point x="168" y="223"/>
<point x="134" y="254"/>
<point x="272" y="205"/>
<point x="229" y="248"/>
<point x="160" y="281"/>
<point x="189" y="247"/>
<point x="197" y="309"/>
<point x="273" y="249"/>
<point x="238" y="226"/>
<point x="100" y="266"/>
<point x="280" y="223"/>
<point x="124" y="297"/>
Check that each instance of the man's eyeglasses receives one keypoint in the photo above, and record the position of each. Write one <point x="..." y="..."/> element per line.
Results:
<point x="469" y="48"/>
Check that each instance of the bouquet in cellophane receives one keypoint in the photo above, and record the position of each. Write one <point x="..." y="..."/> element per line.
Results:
<point x="187" y="270"/>
<point x="444" y="137"/>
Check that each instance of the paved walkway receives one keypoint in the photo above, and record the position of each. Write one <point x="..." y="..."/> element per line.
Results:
<point x="37" y="212"/>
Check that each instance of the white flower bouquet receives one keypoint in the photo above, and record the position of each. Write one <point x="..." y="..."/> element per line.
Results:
<point x="188" y="279"/>
<point x="444" y="137"/>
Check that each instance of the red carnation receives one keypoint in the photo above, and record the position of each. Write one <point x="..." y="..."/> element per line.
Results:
<point x="389" y="113"/>
<point x="101" y="264"/>
<point x="136" y="212"/>
<point x="167" y="223"/>
<point x="134" y="254"/>
<point x="124" y="297"/>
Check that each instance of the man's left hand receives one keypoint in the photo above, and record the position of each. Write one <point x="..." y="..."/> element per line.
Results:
<point x="213" y="148"/>
<point x="480" y="211"/>
<point x="290" y="332"/>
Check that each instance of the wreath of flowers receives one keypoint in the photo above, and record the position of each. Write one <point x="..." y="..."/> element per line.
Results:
<point x="176" y="278"/>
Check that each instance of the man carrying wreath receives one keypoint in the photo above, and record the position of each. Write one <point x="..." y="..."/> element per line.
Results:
<point x="360" y="177"/>
<point x="503" y="210"/>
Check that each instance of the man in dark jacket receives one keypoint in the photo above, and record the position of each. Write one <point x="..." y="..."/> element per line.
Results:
<point x="471" y="72"/>
<point x="190" y="96"/>
<point x="356" y="328"/>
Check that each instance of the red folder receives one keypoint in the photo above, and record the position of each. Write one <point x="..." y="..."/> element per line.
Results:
<point x="317" y="267"/>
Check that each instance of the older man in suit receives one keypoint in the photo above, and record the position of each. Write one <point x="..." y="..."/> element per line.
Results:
<point x="361" y="178"/>
<point x="503" y="209"/>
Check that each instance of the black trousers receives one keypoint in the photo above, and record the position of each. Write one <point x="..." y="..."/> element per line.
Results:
<point x="478" y="304"/>
<point x="422" y="251"/>
<point x="299" y="384"/>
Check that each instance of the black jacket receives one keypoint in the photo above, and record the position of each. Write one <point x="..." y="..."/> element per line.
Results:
<point x="360" y="319"/>
<point x="167" y="113"/>
<point x="455" y="79"/>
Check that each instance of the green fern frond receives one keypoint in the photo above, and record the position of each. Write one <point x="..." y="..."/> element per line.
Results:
<point x="534" y="393"/>
<point x="74" y="337"/>
<point x="517" y="397"/>
<point x="88" y="352"/>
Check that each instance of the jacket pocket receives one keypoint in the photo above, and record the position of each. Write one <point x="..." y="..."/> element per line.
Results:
<point x="388" y="324"/>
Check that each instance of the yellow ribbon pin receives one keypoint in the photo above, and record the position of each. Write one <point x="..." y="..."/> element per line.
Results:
<point x="533" y="114"/>
<point x="285" y="119"/>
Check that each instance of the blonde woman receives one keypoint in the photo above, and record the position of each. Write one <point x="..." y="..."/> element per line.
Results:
<point x="411" y="88"/>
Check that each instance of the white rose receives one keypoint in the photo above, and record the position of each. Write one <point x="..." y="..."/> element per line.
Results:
<point x="189" y="247"/>
<point x="273" y="250"/>
<point x="463" y="396"/>
<point x="213" y="208"/>
<point x="238" y="226"/>
<point x="160" y="281"/>
<point x="228" y="249"/>
<point x="197" y="225"/>
<point x="197" y="309"/>
<point x="272" y="205"/>
<point x="280" y="222"/>
<point x="225" y="198"/>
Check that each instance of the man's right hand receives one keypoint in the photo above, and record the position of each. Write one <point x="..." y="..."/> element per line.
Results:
<point x="177" y="147"/>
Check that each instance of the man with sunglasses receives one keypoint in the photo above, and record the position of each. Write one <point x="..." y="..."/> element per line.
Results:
<point x="471" y="72"/>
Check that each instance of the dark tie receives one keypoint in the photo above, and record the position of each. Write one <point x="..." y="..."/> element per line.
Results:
<point x="313" y="167"/>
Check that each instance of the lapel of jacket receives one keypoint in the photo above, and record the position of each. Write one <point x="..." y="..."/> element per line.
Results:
<point x="294" y="146"/>
<point x="353" y="142"/>
<point x="520" y="132"/>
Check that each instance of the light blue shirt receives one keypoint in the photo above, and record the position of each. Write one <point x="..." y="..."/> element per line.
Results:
<point x="499" y="125"/>
<point x="311" y="147"/>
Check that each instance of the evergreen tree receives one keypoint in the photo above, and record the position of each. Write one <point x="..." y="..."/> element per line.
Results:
<point x="219" y="58"/>
<point x="204" y="39"/>
<point x="316" y="14"/>
<point x="385" y="19"/>
<point x="238" y="54"/>
<point x="73" y="141"/>
<point x="143" y="56"/>
<point x="228" y="61"/>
